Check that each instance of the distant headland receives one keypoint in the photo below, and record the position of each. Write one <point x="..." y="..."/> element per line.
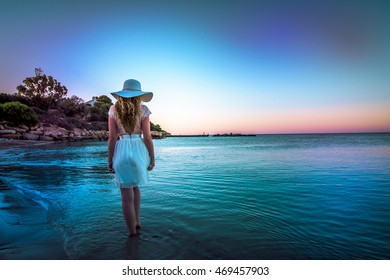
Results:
<point x="213" y="135"/>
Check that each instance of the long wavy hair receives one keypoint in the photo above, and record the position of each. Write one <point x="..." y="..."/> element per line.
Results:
<point x="128" y="112"/>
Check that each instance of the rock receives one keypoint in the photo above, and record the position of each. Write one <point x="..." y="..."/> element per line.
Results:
<point x="7" y="131"/>
<point x="1" y="127"/>
<point x="53" y="132"/>
<point x="77" y="131"/>
<point x="24" y="127"/>
<point x="30" y="136"/>
<point x="157" y="134"/>
<point x="10" y="136"/>
<point x="36" y="132"/>
<point x="17" y="129"/>
<point x="20" y="130"/>
<point x="35" y="127"/>
<point x="63" y="131"/>
<point x="46" y="138"/>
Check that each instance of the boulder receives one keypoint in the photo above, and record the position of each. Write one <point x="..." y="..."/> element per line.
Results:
<point x="15" y="136"/>
<point x="35" y="127"/>
<point x="30" y="136"/>
<point x="24" y="127"/>
<point x="46" y="138"/>
<point x="53" y="132"/>
<point x="77" y="131"/>
<point x="20" y="130"/>
<point x="63" y="131"/>
<point x="17" y="129"/>
<point x="7" y="131"/>
<point x="36" y="132"/>
<point x="157" y="134"/>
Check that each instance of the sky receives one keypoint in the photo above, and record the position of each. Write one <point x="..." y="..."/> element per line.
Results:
<point x="241" y="66"/>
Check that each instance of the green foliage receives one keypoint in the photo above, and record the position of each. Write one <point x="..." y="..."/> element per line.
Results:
<point x="104" y="99"/>
<point x="43" y="91"/>
<point x="155" y="127"/>
<point x="17" y="114"/>
<point x="6" y="97"/>
<point x="99" y="112"/>
<point x="72" y="106"/>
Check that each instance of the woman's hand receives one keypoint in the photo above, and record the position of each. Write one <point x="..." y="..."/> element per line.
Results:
<point x="110" y="169"/>
<point x="151" y="165"/>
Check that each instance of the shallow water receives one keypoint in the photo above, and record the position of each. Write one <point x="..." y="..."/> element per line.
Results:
<point x="264" y="197"/>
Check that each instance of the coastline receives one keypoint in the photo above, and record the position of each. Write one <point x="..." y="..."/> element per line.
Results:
<point x="10" y="143"/>
<point x="26" y="232"/>
<point x="215" y="135"/>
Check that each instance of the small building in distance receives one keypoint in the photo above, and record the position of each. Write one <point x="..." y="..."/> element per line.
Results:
<point x="92" y="102"/>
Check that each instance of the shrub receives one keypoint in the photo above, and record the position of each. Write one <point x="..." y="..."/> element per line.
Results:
<point x="6" y="97"/>
<point x="72" y="106"/>
<point x="99" y="112"/>
<point x="17" y="113"/>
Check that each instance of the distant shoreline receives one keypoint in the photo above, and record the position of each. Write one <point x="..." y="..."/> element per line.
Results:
<point x="214" y="135"/>
<point x="15" y="143"/>
<point x="260" y="134"/>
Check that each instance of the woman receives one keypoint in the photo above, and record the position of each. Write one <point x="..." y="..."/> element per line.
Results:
<point x="130" y="157"/>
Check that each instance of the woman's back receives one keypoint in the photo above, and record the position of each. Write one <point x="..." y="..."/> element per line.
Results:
<point x="145" y="112"/>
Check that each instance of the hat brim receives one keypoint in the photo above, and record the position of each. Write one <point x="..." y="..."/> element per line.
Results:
<point x="145" y="96"/>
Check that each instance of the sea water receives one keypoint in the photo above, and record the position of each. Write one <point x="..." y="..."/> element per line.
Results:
<point x="310" y="196"/>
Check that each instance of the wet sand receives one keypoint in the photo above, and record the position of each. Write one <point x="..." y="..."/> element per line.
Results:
<point x="25" y="231"/>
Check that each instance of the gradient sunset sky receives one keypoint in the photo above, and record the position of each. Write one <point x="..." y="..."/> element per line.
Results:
<point x="214" y="66"/>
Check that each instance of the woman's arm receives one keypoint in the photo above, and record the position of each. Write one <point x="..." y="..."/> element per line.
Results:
<point x="112" y="137"/>
<point x="148" y="140"/>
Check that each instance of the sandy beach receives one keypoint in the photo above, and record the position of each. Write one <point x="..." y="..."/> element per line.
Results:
<point x="25" y="231"/>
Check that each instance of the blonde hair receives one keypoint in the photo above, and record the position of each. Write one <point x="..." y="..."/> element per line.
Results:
<point x="128" y="112"/>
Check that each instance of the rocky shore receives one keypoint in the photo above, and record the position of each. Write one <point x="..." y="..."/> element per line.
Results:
<point x="51" y="132"/>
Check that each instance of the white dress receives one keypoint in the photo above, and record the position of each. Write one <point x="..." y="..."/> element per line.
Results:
<point x="131" y="157"/>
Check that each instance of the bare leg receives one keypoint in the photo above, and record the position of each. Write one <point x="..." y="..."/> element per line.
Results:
<point x="128" y="209"/>
<point x="137" y="206"/>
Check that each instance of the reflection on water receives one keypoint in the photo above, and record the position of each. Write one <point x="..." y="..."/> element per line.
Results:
<point x="264" y="197"/>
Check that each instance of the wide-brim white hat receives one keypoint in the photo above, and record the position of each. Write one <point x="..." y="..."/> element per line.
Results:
<point x="132" y="88"/>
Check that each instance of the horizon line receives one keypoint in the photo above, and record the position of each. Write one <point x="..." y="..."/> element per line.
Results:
<point x="279" y="133"/>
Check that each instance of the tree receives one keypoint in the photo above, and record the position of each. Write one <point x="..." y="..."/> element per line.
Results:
<point x="104" y="99"/>
<point x="99" y="111"/>
<point x="44" y="91"/>
<point x="155" y="127"/>
<point x="72" y="106"/>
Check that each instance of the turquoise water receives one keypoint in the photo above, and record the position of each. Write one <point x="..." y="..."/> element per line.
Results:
<point x="264" y="197"/>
